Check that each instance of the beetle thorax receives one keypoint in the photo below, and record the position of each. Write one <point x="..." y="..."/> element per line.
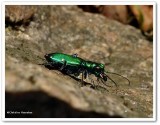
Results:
<point x="93" y="68"/>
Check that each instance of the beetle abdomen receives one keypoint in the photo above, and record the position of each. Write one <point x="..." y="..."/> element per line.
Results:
<point x="61" y="58"/>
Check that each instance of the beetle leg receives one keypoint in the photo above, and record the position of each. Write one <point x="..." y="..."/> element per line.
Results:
<point x="49" y="65"/>
<point x="76" y="74"/>
<point x="85" y="74"/>
<point x="82" y="78"/>
<point x="64" y="65"/>
<point x="46" y="64"/>
<point x="92" y="81"/>
<point x="68" y="72"/>
<point x="98" y="81"/>
<point x="104" y="83"/>
<point x="112" y="81"/>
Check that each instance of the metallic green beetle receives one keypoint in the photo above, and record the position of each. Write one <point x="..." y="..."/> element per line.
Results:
<point x="72" y="64"/>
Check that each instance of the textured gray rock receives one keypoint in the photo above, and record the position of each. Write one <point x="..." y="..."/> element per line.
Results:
<point x="67" y="29"/>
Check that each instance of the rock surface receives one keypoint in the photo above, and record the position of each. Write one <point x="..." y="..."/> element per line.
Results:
<point x="31" y="87"/>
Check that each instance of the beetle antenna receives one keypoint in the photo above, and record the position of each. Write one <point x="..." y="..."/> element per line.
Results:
<point x="117" y="75"/>
<point x="112" y="80"/>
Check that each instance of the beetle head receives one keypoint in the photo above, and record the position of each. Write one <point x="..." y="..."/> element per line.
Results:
<point x="103" y="76"/>
<point x="99" y="70"/>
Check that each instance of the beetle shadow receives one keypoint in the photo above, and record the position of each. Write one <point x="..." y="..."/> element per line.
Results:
<point x="38" y="104"/>
<point x="97" y="87"/>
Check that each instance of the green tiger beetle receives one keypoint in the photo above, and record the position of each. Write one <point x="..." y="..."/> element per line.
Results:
<point x="72" y="64"/>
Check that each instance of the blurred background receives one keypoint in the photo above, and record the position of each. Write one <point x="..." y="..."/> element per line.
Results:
<point x="139" y="16"/>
